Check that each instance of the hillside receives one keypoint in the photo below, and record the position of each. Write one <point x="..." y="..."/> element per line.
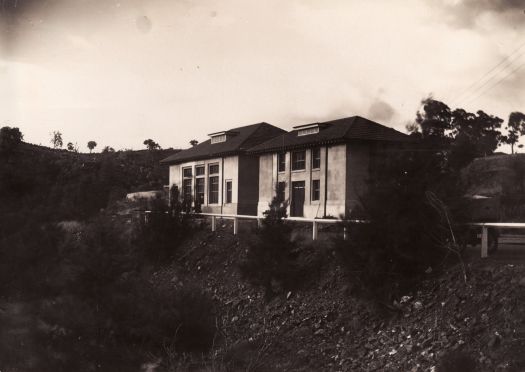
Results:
<point x="323" y="326"/>
<point x="100" y="291"/>
<point x="500" y="181"/>
<point x="58" y="184"/>
<point x="496" y="174"/>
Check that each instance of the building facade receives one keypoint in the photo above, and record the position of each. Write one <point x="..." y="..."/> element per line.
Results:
<point x="322" y="167"/>
<point x="218" y="174"/>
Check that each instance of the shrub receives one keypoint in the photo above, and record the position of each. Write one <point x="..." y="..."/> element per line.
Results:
<point x="155" y="317"/>
<point x="408" y="228"/>
<point x="10" y="140"/>
<point x="99" y="257"/>
<point x="270" y="258"/>
<point x="159" y="234"/>
<point x="28" y="257"/>
<point x="109" y="306"/>
<point x="196" y="320"/>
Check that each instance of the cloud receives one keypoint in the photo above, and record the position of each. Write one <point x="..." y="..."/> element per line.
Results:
<point x="15" y="7"/>
<point x="181" y="69"/>
<point x="381" y="111"/>
<point x="470" y="13"/>
<point x="494" y="5"/>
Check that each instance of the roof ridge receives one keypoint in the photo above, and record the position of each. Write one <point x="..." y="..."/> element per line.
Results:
<point x="249" y="125"/>
<point x="351" y="125"/>
<point x="256" y="126"/>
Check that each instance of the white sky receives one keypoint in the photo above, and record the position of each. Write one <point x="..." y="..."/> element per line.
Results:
<point x="119" y="72"/>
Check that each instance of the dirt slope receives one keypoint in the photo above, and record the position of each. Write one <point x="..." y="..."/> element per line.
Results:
<point x="322" y="327"/>
<point x="494" y="175"/>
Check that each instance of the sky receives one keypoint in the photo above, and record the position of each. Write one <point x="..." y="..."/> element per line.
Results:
<point x="119" y="72"/>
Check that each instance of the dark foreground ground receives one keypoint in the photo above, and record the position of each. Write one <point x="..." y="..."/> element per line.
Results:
<point x="322" y="326"/>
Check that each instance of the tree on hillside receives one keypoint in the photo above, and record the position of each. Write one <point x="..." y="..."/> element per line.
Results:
<point x="269" y="259"/>
<point x="459" y="135"/>
<point x="91" y="145"/>
<point x="72" y="147"/>
<point x="56" y="140"/>
<point x="151" y="145"/>
<point x="435" y="122"/>
<point x="414" y="202"/>
<point x="475" y="135"/>
<point x="515" y="128"/>
<point x="107" y="149"/>
<point x="10" y="139"/>
<point x="194" y="142"/>
<point x="404" y="235"/>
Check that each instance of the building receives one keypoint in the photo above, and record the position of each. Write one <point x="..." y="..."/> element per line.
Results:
<point x="323" y="167"/>
<point x="218" y="173"/>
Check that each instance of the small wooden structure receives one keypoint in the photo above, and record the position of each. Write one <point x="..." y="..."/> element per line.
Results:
<point x="485" y="232"/>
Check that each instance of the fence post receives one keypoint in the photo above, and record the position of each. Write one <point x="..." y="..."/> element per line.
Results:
<point x="213" y="223"/>
<point x="259" y="223"/>
<point x="484" y="242"/>
<point x="345" y="233"/>
<point x="235" y="225"/>
<point x="314" y="231"/>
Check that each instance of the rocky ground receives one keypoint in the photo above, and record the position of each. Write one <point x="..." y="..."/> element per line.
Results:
<point x="474" y="325"/>
<point x="323" y="327"/>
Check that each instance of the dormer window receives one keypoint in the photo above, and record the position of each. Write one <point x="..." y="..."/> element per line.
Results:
<point x="307" y="129"/>
<point x="222" y="136"/>
<point x="305" y="132"/>
<point x="218" y="139"/>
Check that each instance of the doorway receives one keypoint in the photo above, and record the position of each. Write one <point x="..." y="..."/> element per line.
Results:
<point x="297" y="204"/>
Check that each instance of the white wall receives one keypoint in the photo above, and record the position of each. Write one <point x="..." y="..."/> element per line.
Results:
<point x="335" y="204"/>
<point x="266" y="181"/>
<point x="228" y="170"/>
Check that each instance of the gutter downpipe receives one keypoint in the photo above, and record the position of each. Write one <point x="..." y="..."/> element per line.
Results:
<point x="290" y="190"/>
<point x="325" y="179"/>
<point x="222" y="183"/>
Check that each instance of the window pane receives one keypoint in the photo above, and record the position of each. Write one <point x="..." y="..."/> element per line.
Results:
<point x="315" y="189"/>
<point x="214" y="168"/>
<point x="199" y="171"/>
<point x="316" y="158"/>
<point x="281" y="159"/>
<point x="186" y="192"/>
<point x="186" y="172"/>
<point x="199" y="190"/>
<point x="298" y="162"/>
<point x="228" y="191"/>
<point x="213" y="197"/>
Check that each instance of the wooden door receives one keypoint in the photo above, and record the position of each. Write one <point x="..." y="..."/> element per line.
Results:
<point x="297" y="204"/>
